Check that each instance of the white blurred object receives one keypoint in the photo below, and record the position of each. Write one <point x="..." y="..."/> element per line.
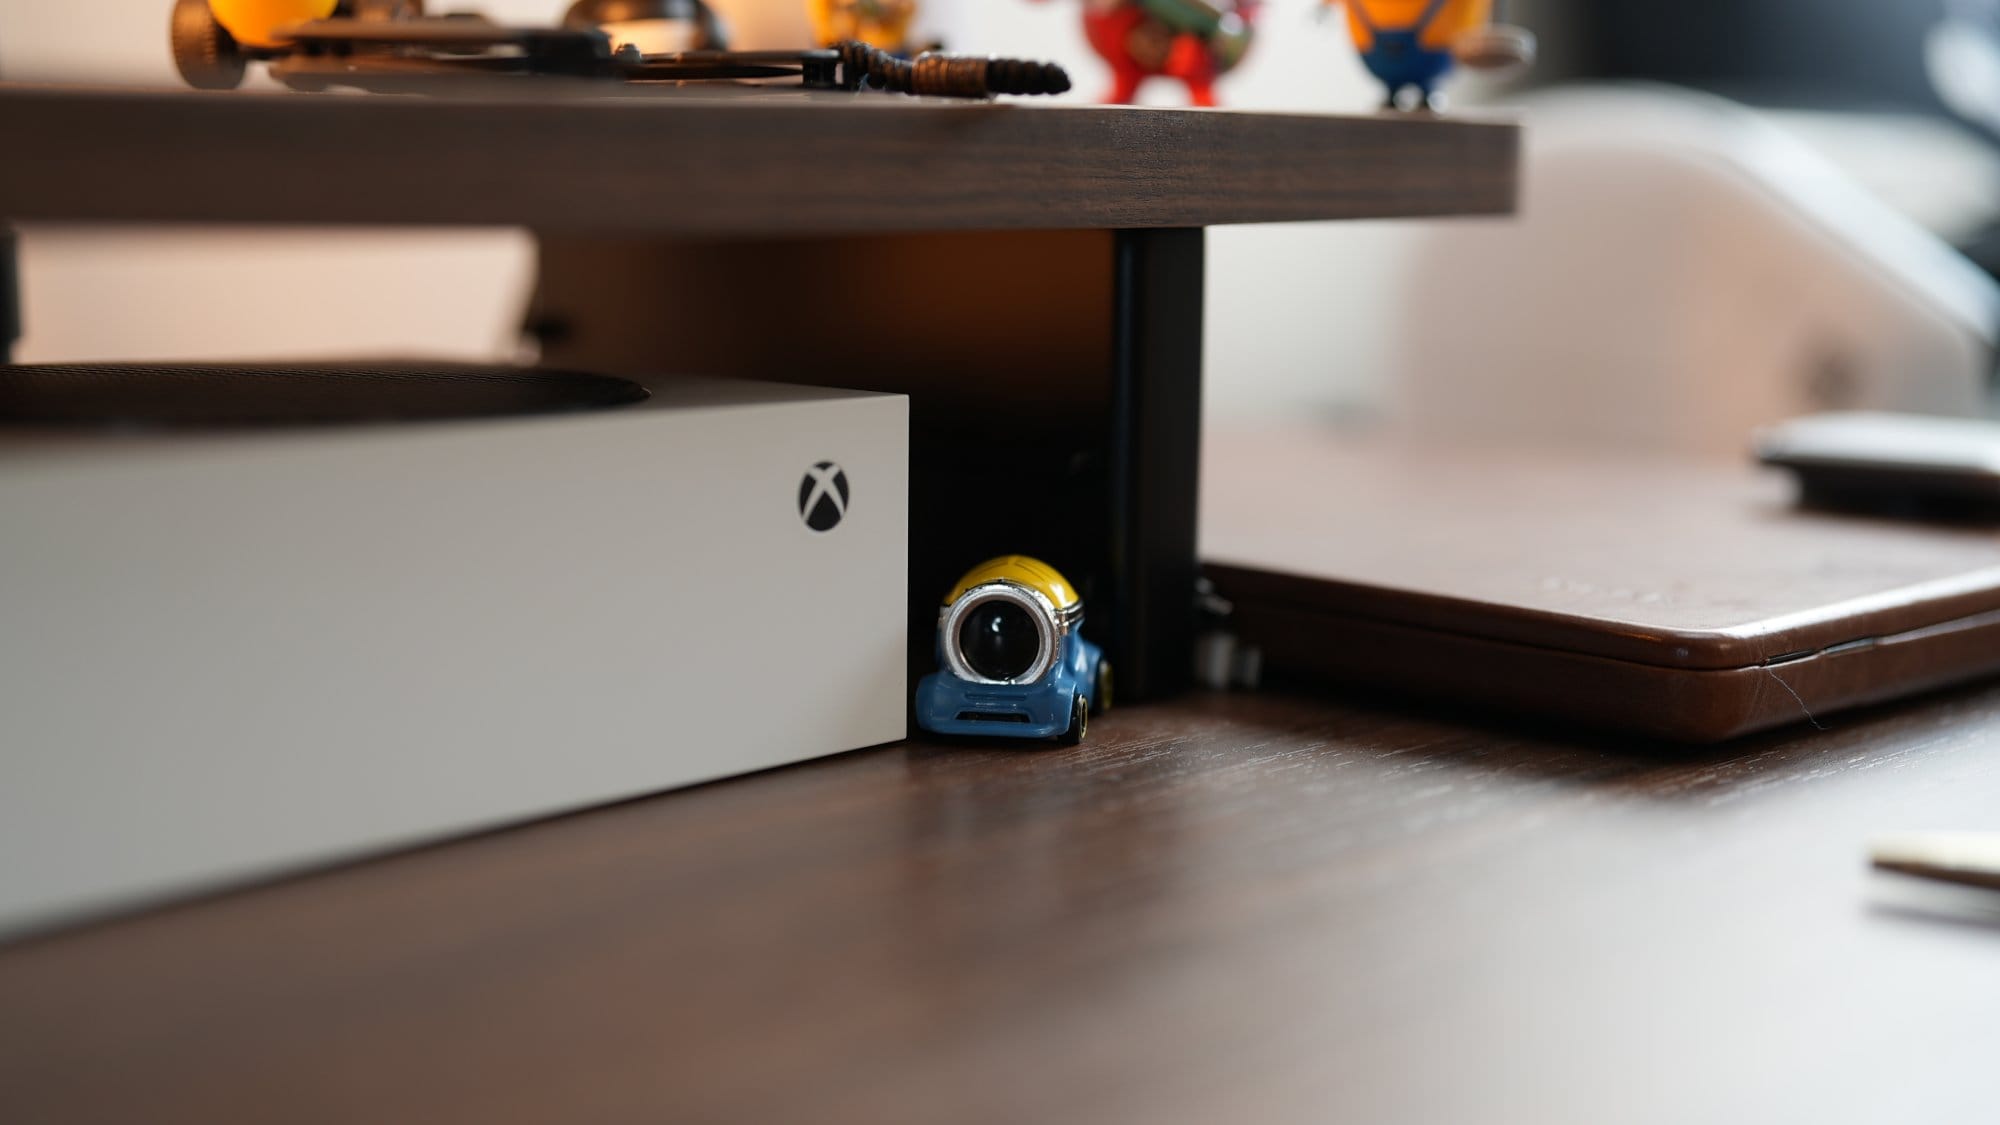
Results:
<point x="1497" y="47"/>
<point x="656" y="37"/>
<point x="1943" y="176"/>
<point x="1962" y="54"/>
<point x="204" y="293"/>
<point x="1682" y="272"/>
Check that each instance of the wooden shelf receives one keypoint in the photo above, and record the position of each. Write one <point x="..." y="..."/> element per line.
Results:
<point x="681" y="163"/>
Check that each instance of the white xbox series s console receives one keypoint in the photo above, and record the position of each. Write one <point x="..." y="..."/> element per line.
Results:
<point x="270" y="629"/>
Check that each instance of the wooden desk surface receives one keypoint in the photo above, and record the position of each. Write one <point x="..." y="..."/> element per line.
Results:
<point x="1234" y="908"/>
<point x="660" y="162"/>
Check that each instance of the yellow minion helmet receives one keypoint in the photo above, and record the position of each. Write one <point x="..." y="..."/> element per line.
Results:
<point x="1020" y="570"/>
<point x="1007" y="620"/>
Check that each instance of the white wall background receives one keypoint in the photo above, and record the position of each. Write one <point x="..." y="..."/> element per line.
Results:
<point x="1298" y="315"/>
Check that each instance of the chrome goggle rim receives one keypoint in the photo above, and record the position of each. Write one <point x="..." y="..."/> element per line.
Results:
<point x="1049" y="627"/>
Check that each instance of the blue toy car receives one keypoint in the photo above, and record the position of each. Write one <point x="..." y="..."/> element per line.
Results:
<point x="1013" y="663"/>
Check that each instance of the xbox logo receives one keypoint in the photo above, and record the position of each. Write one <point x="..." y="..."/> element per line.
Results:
<point x="823" y="496"/>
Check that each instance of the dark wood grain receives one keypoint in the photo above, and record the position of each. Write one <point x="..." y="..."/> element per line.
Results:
<point x="681" y="164"/>
<point x="1228" y="909"/>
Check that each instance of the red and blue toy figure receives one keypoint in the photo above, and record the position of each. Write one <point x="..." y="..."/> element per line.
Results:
<point x="1195" y="41"/>
<point x="1411" y="45"/>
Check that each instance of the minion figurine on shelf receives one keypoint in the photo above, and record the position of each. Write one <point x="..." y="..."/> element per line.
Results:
<point x="1013" y="660"/>
<point x="1411" y="45"/>
<point x="884" y="24"/>
<point x="1195" y="41"/>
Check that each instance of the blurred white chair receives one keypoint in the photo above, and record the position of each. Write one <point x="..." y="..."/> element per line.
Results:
<point x="1682" y="272"/>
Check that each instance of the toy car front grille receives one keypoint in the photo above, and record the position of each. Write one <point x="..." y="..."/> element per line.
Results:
<point x="989" y="717"/>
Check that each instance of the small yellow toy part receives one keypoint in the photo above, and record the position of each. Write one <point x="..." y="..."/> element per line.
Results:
<point x="255" y="23"/>
<point x="1454" y="20"/>
<point x="1021" y="570"/>
<point x="878" y="23"/>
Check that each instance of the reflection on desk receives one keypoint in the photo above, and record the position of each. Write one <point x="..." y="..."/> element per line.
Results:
<point x="1276" y="907"/>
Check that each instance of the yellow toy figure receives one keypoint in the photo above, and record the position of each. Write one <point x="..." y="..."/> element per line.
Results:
<point x="878" y="23"/>
<point x="1410" y="45"/>
<point x="254" y="23"/>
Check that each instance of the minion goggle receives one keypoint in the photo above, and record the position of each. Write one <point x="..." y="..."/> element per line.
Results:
<point x="1004" y="633"/>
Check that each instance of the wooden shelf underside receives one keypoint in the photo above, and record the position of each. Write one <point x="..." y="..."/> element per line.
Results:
<point x="688" y="164"/>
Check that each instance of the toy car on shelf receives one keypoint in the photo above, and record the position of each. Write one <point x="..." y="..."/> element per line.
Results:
<point x="1013" y="660"/>
<point x="390" y="45"/>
